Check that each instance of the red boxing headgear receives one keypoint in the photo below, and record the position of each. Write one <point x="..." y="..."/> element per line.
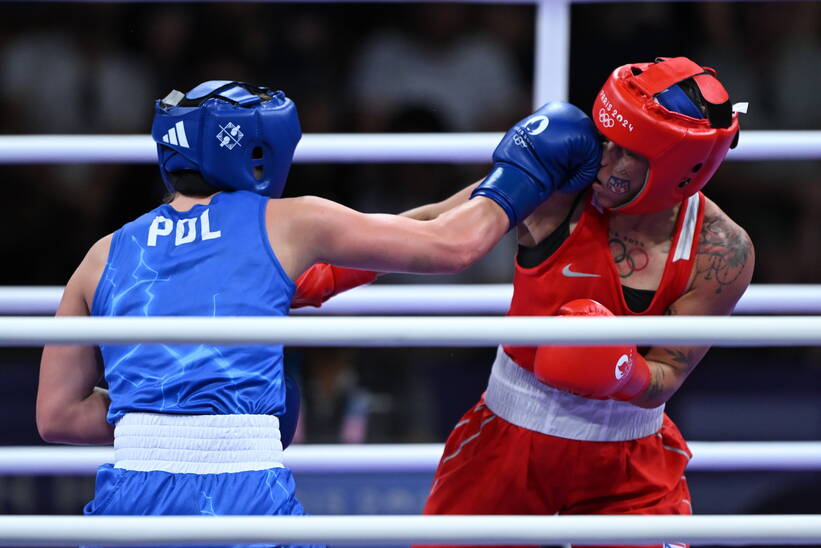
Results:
<point x="682" y="152"/>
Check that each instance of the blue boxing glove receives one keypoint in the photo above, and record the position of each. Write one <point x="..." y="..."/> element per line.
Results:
<point x="555" y="148"/>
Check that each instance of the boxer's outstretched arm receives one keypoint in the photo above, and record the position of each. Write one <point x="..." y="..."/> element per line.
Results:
<point x="307" y="230"/>
<point x="724" y="267"/>
<point x="428" y="212"/>
<point x="323" y="281"/>
<point x="555" y="148"/>
<point x="71" y="408"/>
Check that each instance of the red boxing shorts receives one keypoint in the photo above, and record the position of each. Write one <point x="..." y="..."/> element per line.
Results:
<point x="490" y="466"/>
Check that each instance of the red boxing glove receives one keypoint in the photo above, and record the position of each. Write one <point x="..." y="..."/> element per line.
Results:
<point x="616" y="372"/>
<point x="322" y="281"/>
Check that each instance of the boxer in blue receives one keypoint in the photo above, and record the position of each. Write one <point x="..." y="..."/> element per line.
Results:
<point x="200" y="429"/>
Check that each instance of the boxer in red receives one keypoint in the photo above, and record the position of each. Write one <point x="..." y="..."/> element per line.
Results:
<point x="582" y="430"/>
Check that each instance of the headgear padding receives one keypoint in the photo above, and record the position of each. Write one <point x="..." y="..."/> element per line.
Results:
<point x="236" y="135"/>
<point x="641" y="108"/>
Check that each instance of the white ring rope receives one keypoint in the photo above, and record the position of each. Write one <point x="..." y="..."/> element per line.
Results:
<point x="447" y="299"/>
<point x="451" y="299"/>
<point x="376" y="530"/>
<point x="414" y="458"/>
<point x="416" y="331"/>
<point x="360" y="147"/>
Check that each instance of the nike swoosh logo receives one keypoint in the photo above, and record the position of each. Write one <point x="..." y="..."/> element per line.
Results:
<point x="570" y="274"/>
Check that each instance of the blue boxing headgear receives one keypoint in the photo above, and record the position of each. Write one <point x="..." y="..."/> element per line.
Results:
<point x="236" y="135"/>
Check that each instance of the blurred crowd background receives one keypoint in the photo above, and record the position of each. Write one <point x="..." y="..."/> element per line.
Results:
<point x="96" y="68"/>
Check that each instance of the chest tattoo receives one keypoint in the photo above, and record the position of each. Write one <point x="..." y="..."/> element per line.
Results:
<point x="629" y="254"/>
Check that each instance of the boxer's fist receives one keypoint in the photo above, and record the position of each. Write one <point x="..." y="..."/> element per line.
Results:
<point x="616" y="372"/>
<point x="322" y="281"/>
<point x="555" y="148"/>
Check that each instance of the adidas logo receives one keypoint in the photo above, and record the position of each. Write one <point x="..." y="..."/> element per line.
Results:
<point x="176" y="135"/>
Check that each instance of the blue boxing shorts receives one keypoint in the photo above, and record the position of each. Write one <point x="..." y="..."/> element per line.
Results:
<point x="240" y="476"/>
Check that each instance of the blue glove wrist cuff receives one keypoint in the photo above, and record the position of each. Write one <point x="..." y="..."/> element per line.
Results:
<point x="514" y="190"/>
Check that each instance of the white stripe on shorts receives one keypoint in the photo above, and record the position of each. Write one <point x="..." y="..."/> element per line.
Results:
<point x="515" y="395"/>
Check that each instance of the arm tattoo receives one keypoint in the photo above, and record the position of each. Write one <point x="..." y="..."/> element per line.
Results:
<point x="723" y="251"/>
<point x="682" y="358"/>
<point x="656" y="386"/>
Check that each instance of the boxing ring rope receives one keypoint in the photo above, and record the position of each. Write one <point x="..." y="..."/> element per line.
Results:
<point x="360" y="147"/>
<point x="445" y="299"/>
<point x="430" y="331"/>
<point x="413" y="458"/>
<point x="380" y="530"/>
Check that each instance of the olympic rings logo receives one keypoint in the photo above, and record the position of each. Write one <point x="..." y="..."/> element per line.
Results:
<point x="605" y="119"/>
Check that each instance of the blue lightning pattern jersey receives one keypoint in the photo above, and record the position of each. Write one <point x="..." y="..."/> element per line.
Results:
<point x="213" y="260"/>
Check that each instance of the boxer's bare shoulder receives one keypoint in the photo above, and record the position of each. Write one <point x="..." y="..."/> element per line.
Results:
<point x="85" y="279"/>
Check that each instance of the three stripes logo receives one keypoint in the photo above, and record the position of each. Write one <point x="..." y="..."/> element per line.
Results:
<point x="176" y="136"/>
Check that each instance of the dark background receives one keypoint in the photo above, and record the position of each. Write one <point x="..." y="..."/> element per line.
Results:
<point x="75" y="68"/>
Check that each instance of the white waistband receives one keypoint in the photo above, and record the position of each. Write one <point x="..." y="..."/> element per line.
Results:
<point x="197" y="444"/>
<point x="515" y="395"/>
